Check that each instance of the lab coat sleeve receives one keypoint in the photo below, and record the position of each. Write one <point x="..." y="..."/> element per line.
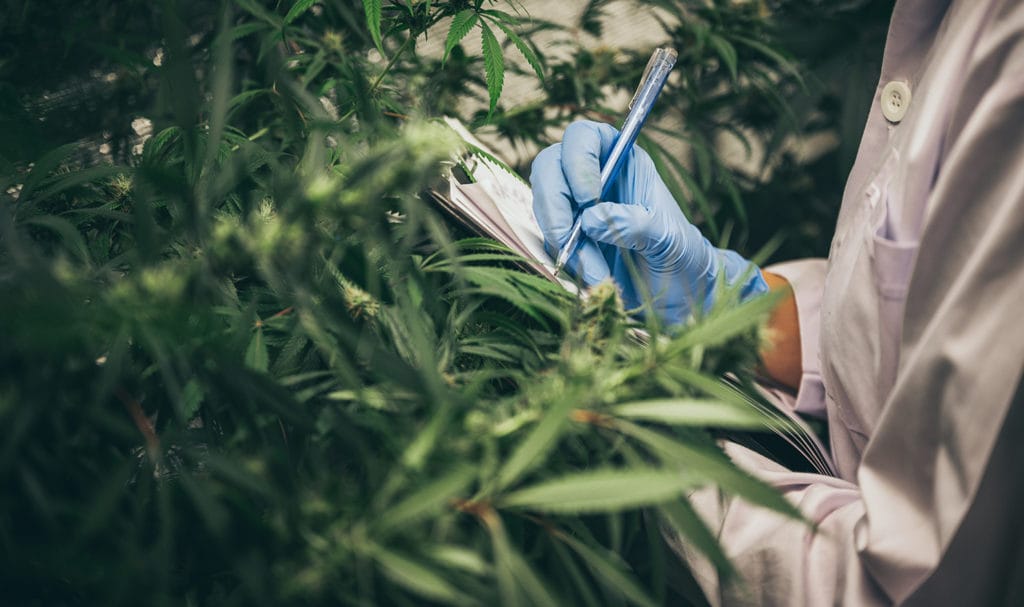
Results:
<point x="807" y="278"/>
<point x="934" y="517"/>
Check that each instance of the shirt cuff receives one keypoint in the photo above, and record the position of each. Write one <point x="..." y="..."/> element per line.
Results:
<point x="807" y="278"/>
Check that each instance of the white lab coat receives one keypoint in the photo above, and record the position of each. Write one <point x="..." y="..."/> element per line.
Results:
<point x="912" y="335"/>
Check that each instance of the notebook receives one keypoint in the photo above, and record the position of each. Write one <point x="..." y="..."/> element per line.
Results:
<point x="492" y="200"/>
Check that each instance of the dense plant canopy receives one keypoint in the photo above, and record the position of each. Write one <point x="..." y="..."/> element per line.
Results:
<point x="245" y="361"/>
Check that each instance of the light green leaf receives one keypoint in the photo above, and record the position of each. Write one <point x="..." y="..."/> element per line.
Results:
<point x="524" y="48"/>
<point x="428" y="499"/>
<point x="462" y="23"/>
<point x="529" y="452"/>
<point x="710" y="466"/>
<point x="418" y="578"/>
<point x="256" y="356"/>
<point x="297" y="9"/>
<point x="692" y="412"/>
<point x="608" y="490"/>
<point x="457" y="557"/>
<point x="723" y="325"/>
<point x="373" y="10"/>
<point x="611" y="571"/>
<point x="494" y="65"/>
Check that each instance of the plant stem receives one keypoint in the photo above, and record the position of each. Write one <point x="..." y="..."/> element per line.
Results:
<point x="391" y="63"/>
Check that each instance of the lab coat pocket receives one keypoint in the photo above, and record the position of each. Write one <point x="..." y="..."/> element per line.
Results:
<point x="892" y="263"/>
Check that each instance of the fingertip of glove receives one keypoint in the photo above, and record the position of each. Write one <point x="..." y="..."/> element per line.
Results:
<point x="549" y="157"/>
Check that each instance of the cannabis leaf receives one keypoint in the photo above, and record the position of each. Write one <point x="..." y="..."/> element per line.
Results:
<point x="524" y="48"/>
<point x="494" y="65"/>
<point x="462" y="23"/>
<point x="297" y="9"/>
<point x="607" y="490"/>
<point x="373" y="9"/>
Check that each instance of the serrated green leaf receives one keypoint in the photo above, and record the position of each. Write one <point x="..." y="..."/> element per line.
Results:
<point x="373" y="9"/>
<point x="256" y="356"/>
<point x="525" y="49"/>
<point x="610" y="570"/>
<point x="494" y="65"/>
<point x="692" y="412"/>
<point x="497" y="15"/>
<point x="418" y="578"/>
<point x="462" y="23"/>
<point x="608" y="490"/>
<point x="297" y="9"/>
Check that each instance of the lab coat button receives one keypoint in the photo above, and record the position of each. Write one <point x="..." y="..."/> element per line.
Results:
<point x="895" y="100"/>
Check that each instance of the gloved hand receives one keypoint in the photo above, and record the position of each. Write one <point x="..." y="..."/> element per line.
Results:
<point x="639" y="236"/>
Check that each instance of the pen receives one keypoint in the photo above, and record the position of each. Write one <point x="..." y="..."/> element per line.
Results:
<point x="653" y="80"/>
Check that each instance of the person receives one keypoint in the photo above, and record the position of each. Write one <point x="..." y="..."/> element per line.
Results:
<point x="908" y="339"/>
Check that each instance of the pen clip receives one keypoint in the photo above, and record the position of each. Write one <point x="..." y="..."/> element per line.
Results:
<point x="657" y="56"/>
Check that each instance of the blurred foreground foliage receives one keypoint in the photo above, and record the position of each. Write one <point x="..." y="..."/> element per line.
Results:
<point x="243" y="361"/>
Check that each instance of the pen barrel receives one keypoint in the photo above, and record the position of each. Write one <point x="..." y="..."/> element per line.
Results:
<point x="658" y="69"/>
<point x="657" y="73"/>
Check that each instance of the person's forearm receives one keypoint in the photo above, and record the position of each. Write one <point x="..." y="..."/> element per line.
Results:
<point x="780" y="353"/>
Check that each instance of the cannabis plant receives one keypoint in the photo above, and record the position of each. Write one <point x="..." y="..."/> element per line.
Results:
<point x="244" y="360"/>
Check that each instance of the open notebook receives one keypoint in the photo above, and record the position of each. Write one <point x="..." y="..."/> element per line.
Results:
<point x="494" y="201"/>
<point x="490" y="199"/>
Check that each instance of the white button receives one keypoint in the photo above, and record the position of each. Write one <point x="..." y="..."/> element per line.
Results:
<point x="895" y="100"/>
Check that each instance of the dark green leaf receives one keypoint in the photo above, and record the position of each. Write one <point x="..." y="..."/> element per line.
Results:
<point x="191" y="399"/>
<point x="684" y="520"/>
<point x="611" y="571"/>
<point x="726" y="51"/>
<point x="373" y="9"/>
<point x="524" y="48"/>
<point x="70" y="236"/>
<point x="518" y="583"/>
<point x="462" y="23"/>
<point x="300" y="6"/>
<point x="494" y="65"/>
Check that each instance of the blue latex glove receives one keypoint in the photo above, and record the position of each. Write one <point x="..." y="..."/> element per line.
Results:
<point x="639" y="237"/>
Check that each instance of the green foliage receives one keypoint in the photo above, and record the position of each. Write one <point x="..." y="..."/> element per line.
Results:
<point x="246" y="362"/>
